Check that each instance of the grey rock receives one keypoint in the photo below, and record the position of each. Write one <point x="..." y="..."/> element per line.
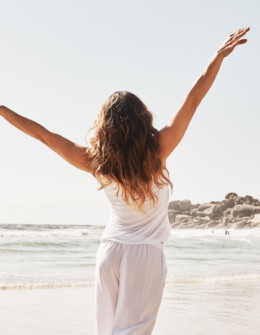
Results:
<point x="225" y="221"/>
<point x="249" y="198"/>
<point x="173" y="205"/>
<point x="184" y="205"/>
<point x="194" y="211"/>
<point x="172" y="215"/>
<point x="230" y="195"/>
<point x="234" y="211"/>
<point x="205" y="206"/>
<point x="205" y="219"/>
<point x="181" y="217"/>
<point x="219" y="209"/>
<point x="210" y="212"/>
<point x="245" y="210"/>
<point x="227" y="212"/>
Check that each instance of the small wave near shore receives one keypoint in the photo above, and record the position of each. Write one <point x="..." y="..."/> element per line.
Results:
<point x="64" y="256"/>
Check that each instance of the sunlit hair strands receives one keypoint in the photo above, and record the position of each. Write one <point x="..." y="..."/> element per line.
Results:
<point x="125" y="149"/>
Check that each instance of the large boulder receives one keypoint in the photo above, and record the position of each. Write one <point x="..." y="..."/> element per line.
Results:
<point x="172" y="215"/>
<point x="206" y="212"/>
<point x="227" y="212"/>
<point x="249" y="198"/>
<point x="181" y="217"/>
<point x="184" y="205"/>
<point x="230" y="203"/>
<point x="231" y="218"/>
<point x="186" y="212"/>
<point x="256" y="210"/>
<point x="219" y="209"/>
<point x="195" y="206"/>
<point x="239" y="200"/>
<point x="205" y="219"/>
<point x="194" y="211"/>
<point x="204" y="206"/>
<point x="230" y="195"/>
<point x="245" y="210"/>
<point x="173" y="205"/>
<point x="225" y="221"/>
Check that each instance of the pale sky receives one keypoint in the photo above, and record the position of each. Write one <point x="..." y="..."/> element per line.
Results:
<point x="61" y="59"/>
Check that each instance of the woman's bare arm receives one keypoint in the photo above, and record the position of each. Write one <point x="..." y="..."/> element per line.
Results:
<point x="73" y="153"/>
<point x="171" y="135"/>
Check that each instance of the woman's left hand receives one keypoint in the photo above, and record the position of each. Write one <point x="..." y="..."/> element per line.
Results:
<point x="232" y="41"/>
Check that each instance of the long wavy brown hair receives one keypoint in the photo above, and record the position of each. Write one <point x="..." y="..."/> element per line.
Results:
<point x="125" y="150"/>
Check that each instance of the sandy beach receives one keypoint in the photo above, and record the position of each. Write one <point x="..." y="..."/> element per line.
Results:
<point x="213" y="309"/>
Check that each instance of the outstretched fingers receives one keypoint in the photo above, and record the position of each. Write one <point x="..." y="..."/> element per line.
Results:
<point x="239" y="31"/>
<point x="239" y="34"/>
<point x="243" y="41"/>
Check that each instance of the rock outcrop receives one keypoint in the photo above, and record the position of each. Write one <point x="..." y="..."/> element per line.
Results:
<point x="233" y="212"/>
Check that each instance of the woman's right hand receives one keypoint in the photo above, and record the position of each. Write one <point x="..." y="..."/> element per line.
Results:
<point x="232" y="41"/>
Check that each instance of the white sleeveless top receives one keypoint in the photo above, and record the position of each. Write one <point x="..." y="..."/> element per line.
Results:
<point x="127" y="226"/>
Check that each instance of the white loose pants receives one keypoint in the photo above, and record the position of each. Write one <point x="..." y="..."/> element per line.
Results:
<point x="129" y="286"/>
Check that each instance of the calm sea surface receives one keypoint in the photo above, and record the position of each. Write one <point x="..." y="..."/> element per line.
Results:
<point x="213" y="282"/>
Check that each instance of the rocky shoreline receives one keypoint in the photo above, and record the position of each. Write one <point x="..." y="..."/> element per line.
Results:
<point x="233" y="212"/>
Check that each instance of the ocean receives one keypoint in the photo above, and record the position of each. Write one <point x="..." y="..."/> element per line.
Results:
<point x="212" y="286"/>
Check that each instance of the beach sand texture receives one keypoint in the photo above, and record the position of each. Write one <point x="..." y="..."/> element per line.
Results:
<point x="192" y="309"/>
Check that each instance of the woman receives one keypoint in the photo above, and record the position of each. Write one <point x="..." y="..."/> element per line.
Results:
<point x="128" y="158"/>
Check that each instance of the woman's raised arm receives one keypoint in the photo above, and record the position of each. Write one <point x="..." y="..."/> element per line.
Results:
<point x="171" y="135"/>
<point x="73" y="153"/>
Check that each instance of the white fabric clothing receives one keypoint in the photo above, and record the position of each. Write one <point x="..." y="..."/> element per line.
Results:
<point x="129" y="287"/>
<point x="127" y="226"/>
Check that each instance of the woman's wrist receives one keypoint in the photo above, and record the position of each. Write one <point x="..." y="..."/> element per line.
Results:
<point x="219" y="55"/>
<point x="2" y="108"/>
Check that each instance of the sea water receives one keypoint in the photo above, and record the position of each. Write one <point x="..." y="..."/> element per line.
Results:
<point x="48" y="256"/>
<point x="212" y="287"/>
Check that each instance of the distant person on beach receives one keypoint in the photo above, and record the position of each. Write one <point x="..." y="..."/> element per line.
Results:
<point x="127" y="156"/>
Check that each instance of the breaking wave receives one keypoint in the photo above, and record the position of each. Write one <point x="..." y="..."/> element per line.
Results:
<point x="214" y="279"/>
